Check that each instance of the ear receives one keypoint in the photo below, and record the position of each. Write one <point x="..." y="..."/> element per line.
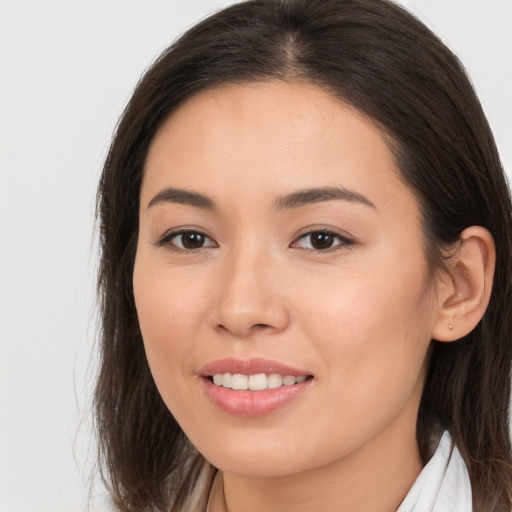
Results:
<point x="464" y="291"/>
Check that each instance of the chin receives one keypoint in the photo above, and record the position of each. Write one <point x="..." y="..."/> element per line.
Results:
<point x="263" y="459"/>
<point x="258" y="467"/>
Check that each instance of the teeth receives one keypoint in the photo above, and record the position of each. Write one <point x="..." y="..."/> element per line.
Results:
<point x="226" y="380"/>
<point x="274" y="381"/>
<point x="239" y="381"/>
<point x="288" y="380"/>
<point x="258" y="381"/>
<point x="255" y="382"/>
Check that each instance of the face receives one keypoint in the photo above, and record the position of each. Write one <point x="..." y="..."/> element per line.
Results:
<point x="279" y="250"/>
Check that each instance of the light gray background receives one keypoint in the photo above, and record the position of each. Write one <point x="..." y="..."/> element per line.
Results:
<point x="66" y="71"/>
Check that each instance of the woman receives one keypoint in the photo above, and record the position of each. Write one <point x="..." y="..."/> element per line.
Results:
<point x="305" y="269"/>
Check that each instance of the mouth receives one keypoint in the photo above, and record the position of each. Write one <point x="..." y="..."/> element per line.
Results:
<point x="253" y="387"/>
<point x="255" y="382"/>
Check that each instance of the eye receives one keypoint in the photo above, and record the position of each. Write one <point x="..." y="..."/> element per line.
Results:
<point x="188" y="240"/>
<point x="321" y="240"/>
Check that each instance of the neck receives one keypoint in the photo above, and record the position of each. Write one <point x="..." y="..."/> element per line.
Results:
<point x="375" y="477"/>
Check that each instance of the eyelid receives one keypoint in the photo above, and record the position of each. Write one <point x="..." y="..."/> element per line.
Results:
<point x="345" y="239"/>
<point x="165" y="239"/>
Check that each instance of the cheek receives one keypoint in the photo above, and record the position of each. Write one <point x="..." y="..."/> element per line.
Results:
<point x="372" y="332"/>
<point x="168" y="302"/>
<point x="169" y="309"/>
<point x="373" y="300"/>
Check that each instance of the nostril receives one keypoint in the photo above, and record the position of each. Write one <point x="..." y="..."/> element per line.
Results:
<point x="242" y="331"/>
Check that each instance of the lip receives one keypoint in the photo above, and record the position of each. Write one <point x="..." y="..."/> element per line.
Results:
<point x="252" y="403"/>
<point x="249" y="367"/>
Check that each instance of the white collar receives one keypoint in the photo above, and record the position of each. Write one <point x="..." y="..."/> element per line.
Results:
<point x="443" y="485"/>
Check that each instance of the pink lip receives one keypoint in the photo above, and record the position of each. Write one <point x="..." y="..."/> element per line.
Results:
<point x="251" y="403"/>
<point x="249" y="367"/>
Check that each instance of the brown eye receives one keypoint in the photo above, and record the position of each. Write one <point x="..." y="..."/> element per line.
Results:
<point x="192" y="240"/>
<point x="322" y="241"/>
<point x="188" y="240"/>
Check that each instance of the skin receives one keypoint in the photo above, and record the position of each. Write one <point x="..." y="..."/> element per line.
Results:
<point x="358" y="317"/>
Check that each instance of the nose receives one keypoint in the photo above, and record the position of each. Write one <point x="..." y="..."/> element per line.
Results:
<point x="251" y="298"/>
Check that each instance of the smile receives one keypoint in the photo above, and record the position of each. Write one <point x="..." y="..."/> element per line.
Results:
<point x="255" y="382"/>
<point x="253" y="387"/>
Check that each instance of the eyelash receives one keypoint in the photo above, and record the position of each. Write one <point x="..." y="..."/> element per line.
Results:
<point x="343" y="240"/>
<point x="166" y="240"/>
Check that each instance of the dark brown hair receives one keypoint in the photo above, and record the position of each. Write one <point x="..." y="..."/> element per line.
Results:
<point x="380" y="59"/>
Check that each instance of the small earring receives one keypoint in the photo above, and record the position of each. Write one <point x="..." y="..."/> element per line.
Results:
<point x="450" y="327"/>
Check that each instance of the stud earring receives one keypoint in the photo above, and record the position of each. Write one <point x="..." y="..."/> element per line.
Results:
<point x="450" y="327"/>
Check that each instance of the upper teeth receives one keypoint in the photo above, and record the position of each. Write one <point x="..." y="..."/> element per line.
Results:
<point x="255" y="382"/>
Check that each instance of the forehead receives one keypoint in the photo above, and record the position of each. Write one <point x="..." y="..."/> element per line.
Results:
<point x="278" y="115"/>
<point x="271" y="137"/>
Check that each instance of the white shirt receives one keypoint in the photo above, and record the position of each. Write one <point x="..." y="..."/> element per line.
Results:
<point x="443" y="485"/>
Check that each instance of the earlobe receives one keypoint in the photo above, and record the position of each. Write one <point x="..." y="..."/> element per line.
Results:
<point x="464" y="293"/>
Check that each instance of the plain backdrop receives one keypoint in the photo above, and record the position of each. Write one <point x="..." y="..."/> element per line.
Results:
<point x="66" y="71"/>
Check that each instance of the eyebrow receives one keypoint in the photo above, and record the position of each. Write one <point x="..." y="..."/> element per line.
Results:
<point x="319" y="195"/>
<point x="288" y="201"/>
<point x="180" y="196"/>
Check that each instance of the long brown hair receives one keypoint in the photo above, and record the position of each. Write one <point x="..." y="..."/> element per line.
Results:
<point x="380" y="59"/>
